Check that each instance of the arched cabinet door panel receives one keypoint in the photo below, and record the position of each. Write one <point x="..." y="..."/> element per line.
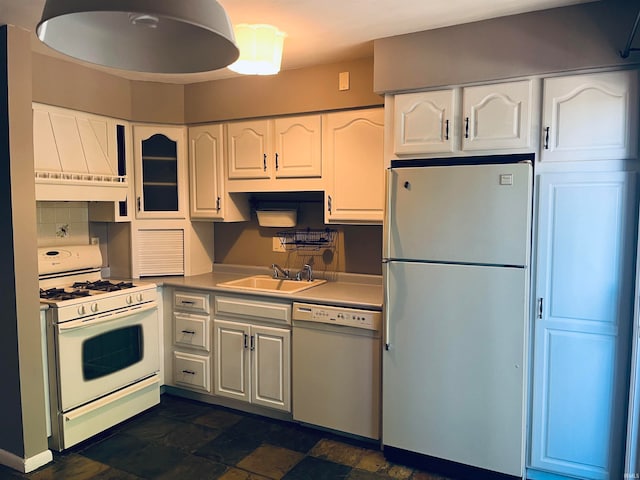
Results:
<point x="160" y="154"/>
<point x="590" y="117"/>
<point x="424" y="122"/>
<point x="497" y="116"/>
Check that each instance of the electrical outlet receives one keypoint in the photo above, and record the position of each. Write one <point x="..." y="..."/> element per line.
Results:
<point x="277" y="245"/>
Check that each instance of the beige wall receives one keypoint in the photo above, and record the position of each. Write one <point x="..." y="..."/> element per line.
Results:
<point x="292" y="91"/>
<point x="157" y="102"/>
<point x="557" y="40"/>
<point x="358" y="248"/>
<point x="67" y="84"/>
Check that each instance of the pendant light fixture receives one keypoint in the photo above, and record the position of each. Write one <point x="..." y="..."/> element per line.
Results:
<point x="154" y="36"/>
<point x="260" y="49"/>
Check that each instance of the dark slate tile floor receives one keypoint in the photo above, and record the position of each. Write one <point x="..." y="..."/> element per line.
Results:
<point x="182" y="439"/>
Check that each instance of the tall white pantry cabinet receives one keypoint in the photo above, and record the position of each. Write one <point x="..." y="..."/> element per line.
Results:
<point x="584" y="247"/>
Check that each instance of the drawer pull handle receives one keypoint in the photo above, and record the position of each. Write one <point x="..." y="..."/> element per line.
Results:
<point x="187" y="302"/>
<point x="190" y="372"/>
<point x="190" y="332"/>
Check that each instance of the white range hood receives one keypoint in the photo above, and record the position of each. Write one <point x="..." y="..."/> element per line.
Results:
<point x="76" y="156"/>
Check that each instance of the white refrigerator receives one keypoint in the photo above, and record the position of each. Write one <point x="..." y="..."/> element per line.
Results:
<point x="456" y="270"/>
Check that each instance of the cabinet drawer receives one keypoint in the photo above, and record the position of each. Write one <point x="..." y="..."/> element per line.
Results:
<point x="192" y="371"/>
<point x="272" y="311"/>
<point x="191" y="330"/>
<point x="192" y="302"/>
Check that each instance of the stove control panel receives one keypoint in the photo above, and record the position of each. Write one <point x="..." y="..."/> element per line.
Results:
<point x="345" y="316"/>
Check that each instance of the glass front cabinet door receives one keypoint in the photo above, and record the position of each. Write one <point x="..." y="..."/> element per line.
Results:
<point x="160" y="157"/>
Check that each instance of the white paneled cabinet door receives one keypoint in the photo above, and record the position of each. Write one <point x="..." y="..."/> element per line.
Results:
<point x="590" y="117"/>
<point x="582" y="323"/>
<point x="354" y="156"/>
<point x="497" y="116"/>
<point x="271" y="373"/>
<point x="298" y="147"/>
<point x="424" y="122"/>
<point x="205" y="176"/>
<point x="231" y="347"/>
<point x="248" y="144"/>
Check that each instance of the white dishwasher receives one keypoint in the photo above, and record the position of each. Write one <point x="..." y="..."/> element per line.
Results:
<point x="336" y="368"/>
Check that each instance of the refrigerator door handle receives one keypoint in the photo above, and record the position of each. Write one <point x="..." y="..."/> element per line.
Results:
<point x="385" y="305"/>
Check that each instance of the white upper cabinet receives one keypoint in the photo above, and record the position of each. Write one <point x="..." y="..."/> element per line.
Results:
<point x="424" y="122"/>
<point x="497" y="116"/>
<point x="160" y="154"/>
<point x="470" y="119"/>
<point x="353" y="155"/>
<point x="274" y="154"/>
<point x="250" y="145"/>
<point x="208" y="200"/>
<point x="298" y="146"/>
<point x="590" y="117"/>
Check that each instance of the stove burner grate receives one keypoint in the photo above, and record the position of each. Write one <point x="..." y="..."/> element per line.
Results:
<point x="62" y="294"/>
<point x="103" y="285"/>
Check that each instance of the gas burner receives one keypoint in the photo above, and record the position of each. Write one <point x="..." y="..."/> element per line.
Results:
<point x="103" y="285"/>
<point x="62" y="294"/>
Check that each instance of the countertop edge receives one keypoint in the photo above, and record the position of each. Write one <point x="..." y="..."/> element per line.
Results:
<point x="341" y="289"/>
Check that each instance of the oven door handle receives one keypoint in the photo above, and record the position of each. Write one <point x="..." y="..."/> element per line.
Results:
<point x="106" y="317"/>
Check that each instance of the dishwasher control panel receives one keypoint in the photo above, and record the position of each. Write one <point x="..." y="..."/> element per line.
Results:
<point x="345" y="316"/>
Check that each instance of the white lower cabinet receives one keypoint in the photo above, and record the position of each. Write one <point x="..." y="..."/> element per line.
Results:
<point x="252" y="363"/>
<point x="253" y="360"/>
<point x="192" y="371"/>
<point x="191" y="332"/>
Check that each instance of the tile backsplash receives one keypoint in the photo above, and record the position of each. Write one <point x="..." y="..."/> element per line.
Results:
<point x="62" y="223"/>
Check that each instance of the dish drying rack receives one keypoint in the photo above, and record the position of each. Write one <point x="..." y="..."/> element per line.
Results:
<point x="308" y="239"/>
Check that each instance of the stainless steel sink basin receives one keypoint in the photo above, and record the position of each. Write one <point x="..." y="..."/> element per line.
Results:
<point x="265" y="283"/>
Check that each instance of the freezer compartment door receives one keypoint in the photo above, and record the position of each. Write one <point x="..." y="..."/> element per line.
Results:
<point x="461" y="213"/>
<point x="453" y="377"/>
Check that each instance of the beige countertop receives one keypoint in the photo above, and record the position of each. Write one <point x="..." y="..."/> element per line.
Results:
<point x="341" y="289"/>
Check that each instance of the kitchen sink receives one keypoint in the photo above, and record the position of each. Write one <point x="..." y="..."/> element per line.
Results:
<point x="265" y="283"/>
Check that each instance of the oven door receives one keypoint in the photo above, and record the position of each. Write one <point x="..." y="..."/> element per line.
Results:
<point x="101" y="354"/>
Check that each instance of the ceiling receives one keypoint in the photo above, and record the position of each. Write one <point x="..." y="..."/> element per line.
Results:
<point x="318" y="31"/>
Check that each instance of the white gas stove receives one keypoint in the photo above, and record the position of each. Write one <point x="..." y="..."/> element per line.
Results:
<point x="70" y="283"/>
<point x="102" y="344"/>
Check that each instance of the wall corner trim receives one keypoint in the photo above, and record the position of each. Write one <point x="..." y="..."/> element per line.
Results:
<point x="25" y="465"/>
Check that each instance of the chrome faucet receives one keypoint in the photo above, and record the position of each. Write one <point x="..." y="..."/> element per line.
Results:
<point x="278" y="270"/>
<point x="306" y="271"/>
